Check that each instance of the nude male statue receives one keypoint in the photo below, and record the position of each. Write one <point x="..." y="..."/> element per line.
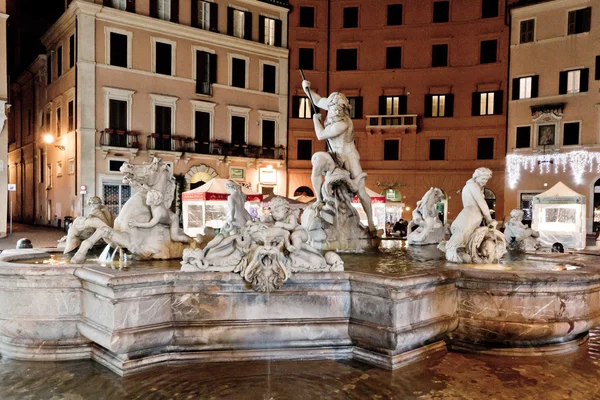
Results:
<point x="339" y="132"/>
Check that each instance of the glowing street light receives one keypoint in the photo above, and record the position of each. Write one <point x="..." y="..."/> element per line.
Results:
<point x="48" y="138"/>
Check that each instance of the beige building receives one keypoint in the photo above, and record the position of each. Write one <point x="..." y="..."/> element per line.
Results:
<point x="3" y="125"/>
<point x="427" y="81"/>
<point x="553" y="124"/>
<point x="201" y="84"/>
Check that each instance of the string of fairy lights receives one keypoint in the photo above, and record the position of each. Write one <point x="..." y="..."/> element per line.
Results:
<point x="578" y="162"/>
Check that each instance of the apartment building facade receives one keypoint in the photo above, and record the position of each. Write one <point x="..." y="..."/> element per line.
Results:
<point x="3" y="118"/>
<point x="428" y="82"/>
<point x="553" y="126"/>
<point x="201" y="84"/>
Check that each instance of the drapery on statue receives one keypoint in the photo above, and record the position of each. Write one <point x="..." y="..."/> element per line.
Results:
<point x="264" y="252"/>
<point x="425" y="226"/>
<point x="331" y="221"/>
<point x="145" y="226"/>
<point x="471" y="243"/>
<point x="519" y="236"/>
<point x="83" y="227"/>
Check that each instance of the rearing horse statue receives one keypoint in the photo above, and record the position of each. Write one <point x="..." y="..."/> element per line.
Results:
<point x="145" y="226"/>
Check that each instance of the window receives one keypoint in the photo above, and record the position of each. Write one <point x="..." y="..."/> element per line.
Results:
<point x="307" y="17"/>
<point x="49" y="69"/>
<point x="489" y="8"/>
<point x="202" y="131"/>
<point x="439" y="55"/>
<point x="525" y="88"/>
<point x="238" y="129"/>
<point x="350" y="17"/>
<point x="268" y="138"/>
<point x="356" y="104"/>
<point x="238" y="72"/>
<point x="301" y="107"/>
<point x="391" y="150"/>
<point x="163" y="9"/>
<point x="118" y="50"/>
<point x="306" y="58"/>
<point x="72" y="51"/>
<point x="579" y="21"/>
<point x="488" y="51"/>
<point x="58" y="122"/>
<point x="394" y="14"/>
<point x="117" y="120"/>
<point x="41" y="166"/>
<point x="59" y="57"/>
<point x="206" y="71"/>
<point x="527" y="31"/>
<point x="439" y="105"/>
<point x="574" y="81"/>
<point x="163" y="127"/>
<point x="205" y="15"/>
<point x="239" y="23"/>
<point x="269" y="78"/>
<point x="392" y="105"/>
<point x="437" y="149"/>
<point x="163" y="58"/>
<point x="304" y="149"/>
<point x="269" y="31"/>
<point x="441" y="11"/>
<point x="393" y="57"/>
<point x="523" y="139"/>
<point x="571" y="133"/>
<point x="485" y="148"/>
<point x="115" y="195"/>
<point x="487" y="103"/>
<point x="597" y="74"/>
<point x="71" y="115"/>
<point x="346" y="60"/>
<point x="115" y="165"/>
<point x="118" y="4"/>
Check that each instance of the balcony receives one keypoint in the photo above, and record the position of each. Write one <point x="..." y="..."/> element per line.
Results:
<point x="406" y="123"/>
<point x="118" y="141"/>
<point x="221" y="148"/>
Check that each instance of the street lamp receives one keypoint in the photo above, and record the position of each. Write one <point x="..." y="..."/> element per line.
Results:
<point x="49" y="139"/>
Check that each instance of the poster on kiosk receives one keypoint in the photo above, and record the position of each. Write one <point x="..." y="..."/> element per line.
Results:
<point x="559" y="216"/>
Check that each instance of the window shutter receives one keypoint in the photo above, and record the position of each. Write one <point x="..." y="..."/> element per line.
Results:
<point x="402" y="105"/>
<point x="586" y="19"/>
<point x="175" y="11"/>
<point x="584" y="79"/>
<point x="515" y="88"/>
<point x="428" y="105"/>
<point x="130" y="6"/>
<point x="248" y="25"/>
<point x="449" y="112"/>
<point x="535" y="82"/>
<point x="230" y="21"/>
<point x="382" y="105"/>
<point x="214" y="17"/>
<point x="295" y="106"/>
<point x="597" y="74"/>
<point x="562" y="83"/>
<point x="498" y="100"/>
<point x="475" y="104"/>
<point x="571" y="23"/>
<point x="358" y="107"/>
<point x="278" y="31"/>
<point x="195" y="13"/>
<point x="212" y="68"/>
<point x="261" y="29"/>
<point x="154" y="8"/>
<point x="107" y="3"/>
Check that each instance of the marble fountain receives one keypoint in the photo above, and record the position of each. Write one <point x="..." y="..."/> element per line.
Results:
<point x="261" y="289"/>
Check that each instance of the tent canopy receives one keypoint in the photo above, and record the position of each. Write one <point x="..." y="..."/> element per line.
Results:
<point x="215" y="190"/>
<point x="559" y="190"/>
<point x="375" y="197"/>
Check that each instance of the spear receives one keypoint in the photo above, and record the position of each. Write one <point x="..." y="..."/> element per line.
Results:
<point x="314" y="108"/>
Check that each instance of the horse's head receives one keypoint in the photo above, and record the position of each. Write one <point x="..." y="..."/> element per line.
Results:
<point x="149" y="174"/>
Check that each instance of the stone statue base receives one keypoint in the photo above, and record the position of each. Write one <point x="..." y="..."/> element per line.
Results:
<point x="422" y="236"/>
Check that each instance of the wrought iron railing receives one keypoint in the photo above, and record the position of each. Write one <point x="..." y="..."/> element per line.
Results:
<point x="119" y="138"/>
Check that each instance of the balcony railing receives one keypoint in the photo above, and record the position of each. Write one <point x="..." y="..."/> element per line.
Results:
<point x="119" y="138"/>
<point x="236" y="150"/>
<point x="407" y="122"/>
<point x="162" y="142"/>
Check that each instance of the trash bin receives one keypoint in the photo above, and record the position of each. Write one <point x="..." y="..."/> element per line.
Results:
<point x="68" y="222"/>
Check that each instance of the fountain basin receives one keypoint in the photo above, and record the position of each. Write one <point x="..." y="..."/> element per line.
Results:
<point x="154" y="314"/>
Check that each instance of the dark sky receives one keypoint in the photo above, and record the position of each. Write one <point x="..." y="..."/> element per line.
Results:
<point x="28" y="21"/>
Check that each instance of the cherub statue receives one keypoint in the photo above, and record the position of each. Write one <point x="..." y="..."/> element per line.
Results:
<point x="283" y="217"/>
<point x="161" y="215"/>
<point x="485" y="246"/>
<point x="518" y="235"/>
<point x="83" y="227"/>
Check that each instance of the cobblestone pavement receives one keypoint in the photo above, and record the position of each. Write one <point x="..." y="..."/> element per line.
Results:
<point x="40" y="236"/>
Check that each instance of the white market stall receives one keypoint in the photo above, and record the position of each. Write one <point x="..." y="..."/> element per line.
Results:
<point x="559" y="216"/>
<point x="378" y="206"/>
<point x="207" y="206"/>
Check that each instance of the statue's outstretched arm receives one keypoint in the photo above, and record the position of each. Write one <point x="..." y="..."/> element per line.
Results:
<point x="331" y="131"/>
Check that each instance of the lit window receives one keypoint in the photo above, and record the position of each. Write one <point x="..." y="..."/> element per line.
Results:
<point x="486" y="105"/>
<point x="203" y="15"/>
<point x="573" y="79"/>
<point x="438" y="105"/>
<point x="119" y="4"/>
<point x="164" y="9"/>
<point x="392" y="106"/>
<point x="525" y="88"/>
<point x="270" y="31"/>
<point x="238" y="23"/>
<point x="304" y="111"/>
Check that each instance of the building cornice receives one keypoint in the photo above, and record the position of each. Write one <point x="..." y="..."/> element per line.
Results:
<point x="527" y="9"/>
<point x="3" y="16"/>
<point x="267" y="5"/>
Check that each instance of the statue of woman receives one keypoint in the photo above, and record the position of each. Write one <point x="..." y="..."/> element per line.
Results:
<point x="475" y="210"/>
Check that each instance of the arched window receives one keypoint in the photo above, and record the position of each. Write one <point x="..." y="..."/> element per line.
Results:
<point x="304" y="190"/>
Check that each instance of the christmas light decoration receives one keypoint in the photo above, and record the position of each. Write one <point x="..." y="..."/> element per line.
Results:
<point x="578" y="162"/>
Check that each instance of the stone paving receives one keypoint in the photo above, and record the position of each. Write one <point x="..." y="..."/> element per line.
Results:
<point x="40" y="236"/>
